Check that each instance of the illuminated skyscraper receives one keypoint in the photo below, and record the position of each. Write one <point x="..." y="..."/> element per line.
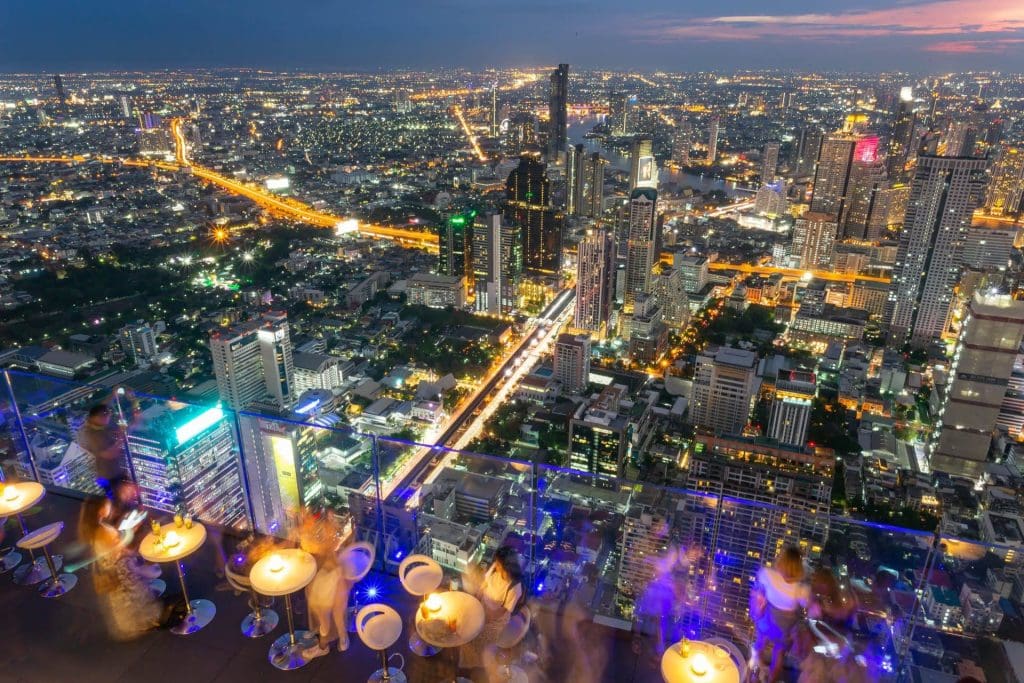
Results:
<point x="643" y="170"/>
<point x="595" y="281"/>
<point x="620" y="113"/>
<point x="1005" y="195"/>
<point x="641" y="245"/>
<point x="253" y="361"/>
<point x="455" y="243"/>
<point x="670" y="291"/>
<point x="681" y="143"/>
<point x="488" y="274"/>
<point x="792" y="401"/>
<point x="185" y="456"/>
<point x="902" y="135"/>
<point x="575" y="180"/>
<point x="713" y="123"/>
<point x="807" y="149"/>
<point x="814" y="240"/>
<point x="982" y="365"/>
<point x="867" y="180"/>
<point x="943" y="197"/>
<point x="138" y="342"/>
<point x="528" y="206"/>
<point x="769" y="162"/>
<point x="558" y="105"/>
<point x="58" y="85"/>
<point x="598" y="433"/>
<point x="521" y="133"/>
<point x="592" y="203"/>
<point x="724" y="386"/>
<point x="832" y="176"/>
<point x="571" y="362"/>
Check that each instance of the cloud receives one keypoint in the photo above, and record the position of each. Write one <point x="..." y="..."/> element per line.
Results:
<point x="967" y="18"/>
<point x="973" y="46"/>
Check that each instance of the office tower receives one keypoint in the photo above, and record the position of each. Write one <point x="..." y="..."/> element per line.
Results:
<point x="724" y="384"/>
<point x="572" y="362"/>
<point x="793" y="490"/>
<point x="769" y="161"/>
<point x="598" y="432"/>
<point x="521" y="134"/>
<point x="281" y="468"/>
<point x="595" y="285"/>
<point x="640" y="245"/>
<point x="681" y="142"/>
<point x="694" y="270"/>
<point x="620" y="113"/>
<point x="770" y="199"/>
<point x="807" y="150"/>
<point x="982" y="365"/>
<point x="575" y="180"/>
<point x="185" y="456"/>
<point x="558" y="104"/>
<point x="670" y="291"/>
<point x="154" y="136"/>
<point x="814" y="239"/>
<point x="317" y="371"/>
<point x="253" y="361"/>
<point x="901" y="139"/>
<point x="58" y="85"/>
<point x="787" y="100"/>
<point x="494" y="110"/>
<point x="792" y="401"/>
<point x="487" y="270"/>
<point x="644" y="538"/>
<point x="643" y="170"/>
<point x="138" y="342"/>
<point x="943" y="196"/>
<point x="592" y="203"/>
<point x="528" y="206"/>
<point x="646" y="330"/>
<point x="832" y="176"/>
<point x="961" y="138"/>
<point x="867" y="181"/>
<point x="455" y="243"/>
<point x="713" y="123"/>
<point x="511" y="266"/>
<point x="1005" y="195"/>
<point x="126" y="107"/>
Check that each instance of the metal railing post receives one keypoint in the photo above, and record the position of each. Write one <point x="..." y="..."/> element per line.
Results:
<point x="21" y="425"/>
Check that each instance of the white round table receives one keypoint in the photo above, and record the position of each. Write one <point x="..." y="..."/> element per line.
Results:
<point x="281" y="573"/>
<point x="694" y="661"/>
<point x="458" y="619"/>
<point x="173" y="545"/>
<point x="15" y="499"/>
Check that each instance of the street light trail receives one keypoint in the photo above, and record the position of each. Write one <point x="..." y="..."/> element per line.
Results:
<point x="457" y="110"/>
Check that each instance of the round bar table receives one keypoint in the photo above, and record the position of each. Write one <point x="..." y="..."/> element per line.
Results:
<point x="694" y="661"/>
<point x="173" y="545"/>
<point x="281" y="573"/>
<point x="451" y="619"/>
<point x="14" y="500"/>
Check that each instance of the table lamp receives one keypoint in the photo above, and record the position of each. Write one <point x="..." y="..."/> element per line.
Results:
<point x="171" y="539"/>
<point x="276" y="563"/>
<point x="699" y="664"/>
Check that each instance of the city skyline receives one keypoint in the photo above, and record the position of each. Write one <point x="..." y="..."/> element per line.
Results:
<point x="932" y="35"/>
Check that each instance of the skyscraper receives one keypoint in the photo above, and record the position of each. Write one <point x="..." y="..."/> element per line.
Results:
<point x="902" y="135"/>
<point x="724" y="385"/>
<point x="943" y="196"/>
<point x="528" y="206"/>
<point x="641" y="244"/>
<point x="575" y="180"/>
<point x="619" y="113"/>
<point x="670" y="291"/>
<point x="814" y="239"/>
<point x="807" y="150"/>
<point x="253" y="361"/>
<point x="598" y="433"/>
<point x="792" y="400"/>
<point x="494" y="110"/>
<point x="455" y="243"/>
<point x="769" y="161"/>
<point x="487" y="264"/>
<point x="58" y="85"/>
<point x="1005" y="195"/>
<point x="571" y="360"/>
<point x="832" y="176"/>
<point x="681" y="142"/>
<point x="138" y="342"/>
<point x="643" y="170"/>
<point x="712" y="139"/>
<point x="982" y="365"/>
<point x="558" y="105"/>
<point x="592" y="201"/>
<point x="595" y="281"/>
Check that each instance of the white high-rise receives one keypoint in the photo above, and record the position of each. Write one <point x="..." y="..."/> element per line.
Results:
<point x="595" y="283"/>
<point x="792" y="402"/>
<point x="572" y="362"/>
<point x="641" y="240"/>
<point x="253" y="361"/>
<point x="724" y="386"/>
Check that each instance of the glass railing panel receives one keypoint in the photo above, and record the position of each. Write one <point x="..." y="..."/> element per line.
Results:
<point x="14" y="461"/>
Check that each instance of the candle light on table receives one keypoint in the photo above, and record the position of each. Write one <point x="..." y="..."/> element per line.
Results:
<point x="10" y="494"/>
<point x="171" y="539"/>
<point x="276" y="564"/>
<point x="699" y="664"/>
<point x="433" y="602"/>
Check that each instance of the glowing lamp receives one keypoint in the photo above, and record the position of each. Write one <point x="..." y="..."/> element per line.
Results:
<point x="11" y="494"/>
<point x="699" y="664"/>
<point x="172" y="540"/>
<point x="276" y="564"/>
<point x="433" y="603"/>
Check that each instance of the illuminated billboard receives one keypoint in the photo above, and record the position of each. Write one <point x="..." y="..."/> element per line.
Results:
<point x="278" y="183"/>
<point x="284" y="465"/>
<point x="866" y="150"/>
<point x="346" y="227"/>
<point x="199" y="424"/>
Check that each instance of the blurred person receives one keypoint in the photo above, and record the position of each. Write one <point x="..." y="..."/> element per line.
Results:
<point x="328" y="593"/>
<point x="662" y="605"/>
<point x="121" y="581"/>
<point x="776" y="601"/>
<point x="826" y="651"/>
<point x="103" y="438"/>
<point x="502" y="593"/>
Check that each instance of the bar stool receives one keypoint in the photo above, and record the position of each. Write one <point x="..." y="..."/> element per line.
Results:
<point x="356" y="562"/>
<point x="261" y="620"/>
<point x="511" y="636"/>
<point x="420" y="575"/>
<point x="11" y="557"/>
<point x="379" y="627"/>
<point x="40" y="539"/>
<point x="734" y="654"/>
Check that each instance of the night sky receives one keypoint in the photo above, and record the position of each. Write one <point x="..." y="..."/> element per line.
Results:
<point x="680" y="35"/>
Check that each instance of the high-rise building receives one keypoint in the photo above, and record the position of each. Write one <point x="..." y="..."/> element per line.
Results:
<point x="494" y="110"/>
<point x="808" y="148"/>
<point x="832" y="176"/>
<point x="455" y="255"/>
<point x="1005" y="195"/>
<point x="595" y="284"/>
<point x="58" y="85"/>
<point x="862" y="208"/>
<point x="814" y="240"/>
<point x="713" y="124"/>
<point x="943" y="197"/>
<point x="644" y="538"/>
<point x="495" y="243"/>
<point x="646" y="330"/>
<point x="317" y="371"/>
<point x="571" y="359"/>
<point x="528" y="206"/>
<point x="253" y="361"/>
<point x="724" y="385"/>
<point x="770" y="161"/>
<point x="983" y="362"/>
<point x="575" y="180"/>
<point x="694" y="270"/>
<point x="138" y="342"/>
<point x="592" y="203"/>
<point x="126" y="107"/>
<point x="281" y="468"/>
<point x="670" y="290"/>
<point x="598" y="433"/>
<point x="521" y="134"/>
<point x="643" y="170"/>
<point x="620" y="113"/>
<point x="682" y="140"/>
<point x="641" y="244"/>
<point x="792" y="401"/>
<point x="558" y="106"/>
<point x="185" y="456"/>
<point x="154" y="136"/>
<point x="901" y="139"/>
